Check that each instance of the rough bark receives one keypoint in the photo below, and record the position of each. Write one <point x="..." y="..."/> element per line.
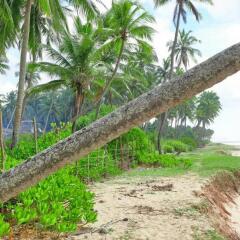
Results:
<point x="22" y="74"/>
<point x="134" y="113"/>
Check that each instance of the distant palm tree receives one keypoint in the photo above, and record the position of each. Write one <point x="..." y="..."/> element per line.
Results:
<point x="180" y="12"/>
<point x="184" y="49"/>
<point x="9" y="107"/>
<point x="186" y="110"/>
<point x="164" y="70"/>
<point x="128" y="24"/>
<point x="208" y="108"/>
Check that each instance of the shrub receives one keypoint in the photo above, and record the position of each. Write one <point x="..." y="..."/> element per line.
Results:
<point x="4" y="227"/>
<point x="100" y="163"/>
<point x="177" y="145"/>
<point x="191" y="142"/>
<point x="168" y="148"/>
<point x="167" y="160"/>
<point x="57" y="203"/>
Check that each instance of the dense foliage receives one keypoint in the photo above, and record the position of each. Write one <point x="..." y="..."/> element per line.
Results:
<point x="96" y="60"/>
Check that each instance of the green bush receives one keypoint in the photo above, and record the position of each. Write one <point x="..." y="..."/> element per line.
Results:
<point x="168" y="148"/>
<point x="191" y="142"/>
<point x="57" y="203"/>
<point x="177" y="145"/>
<point x="85" y="120"/>
<point x="100" y="164"/>
<point x="167" y="160"/>
<point x="4" y="227"/>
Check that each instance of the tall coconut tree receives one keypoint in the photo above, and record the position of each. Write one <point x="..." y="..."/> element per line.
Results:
<point x="180" y="13"/>
<point x="53" y="10"/>
<point x="128" y="24"/>
<point x="74" y="64"/>
<point x="185" y="50"/>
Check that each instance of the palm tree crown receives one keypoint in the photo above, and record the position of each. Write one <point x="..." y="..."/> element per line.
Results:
<point x="184" y="50"/>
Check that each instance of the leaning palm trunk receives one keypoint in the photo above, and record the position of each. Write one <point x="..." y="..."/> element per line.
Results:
<point x="163" y="116"/>
<point x="109" y="81"/>
<point x="22" y="74"/>
<point x="134" y="113"/>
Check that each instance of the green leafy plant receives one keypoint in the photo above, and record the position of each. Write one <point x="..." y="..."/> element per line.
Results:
<point x="4" y="227"/>
<point x="177" y="145"/>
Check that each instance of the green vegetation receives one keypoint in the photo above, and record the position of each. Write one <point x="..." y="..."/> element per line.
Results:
<point x="105" y="60"/>
<point x="205" y="162"/>
<point x="60" y="208"/>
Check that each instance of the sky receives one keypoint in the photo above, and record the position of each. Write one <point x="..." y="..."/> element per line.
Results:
<point x="218" y="29"/>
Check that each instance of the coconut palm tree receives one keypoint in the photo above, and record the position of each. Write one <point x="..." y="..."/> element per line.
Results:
<point x="184" y="49"/>
<point x="9" y="107"/>
<point x="54" y="11"/>
<point x="163" y="71"/>
<point x="75" y="64"/>
<point x="208" y="108"/>
<point x="51" y="9"/>
<point x="180" y="12"/>
<point x="128" y="25"/>
<point x="10" y="16"/>
<point x="186" y="111"/>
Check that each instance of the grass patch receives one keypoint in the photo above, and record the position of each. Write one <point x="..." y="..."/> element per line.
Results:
<point x="206" y="162"/>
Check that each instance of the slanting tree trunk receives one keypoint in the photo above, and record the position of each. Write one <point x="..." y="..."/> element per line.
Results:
<point x="22" y="74"/>
<point x="134" y="113"/>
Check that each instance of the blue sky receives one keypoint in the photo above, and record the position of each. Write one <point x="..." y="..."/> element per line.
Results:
<point x="219" y="29"/>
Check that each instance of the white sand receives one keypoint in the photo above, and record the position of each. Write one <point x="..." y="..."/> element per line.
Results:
<point x="148" y="214"/>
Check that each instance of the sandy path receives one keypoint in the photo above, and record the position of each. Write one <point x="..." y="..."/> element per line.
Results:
<point x="149" y="208"/>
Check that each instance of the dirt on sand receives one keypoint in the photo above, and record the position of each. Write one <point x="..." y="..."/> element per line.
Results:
<point x="149" y="208"/>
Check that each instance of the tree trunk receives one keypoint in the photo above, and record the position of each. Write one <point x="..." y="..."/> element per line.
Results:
<point x="163" y="117"/>
<point x="3" y="156"/>
<point x="108" y="84"/>
<point x="77" y="108"/>
<point x="22" y="74"/>
<point x="10" y="121"/>
<point x="134" y="113"/>
<point x="48" y="115"/>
